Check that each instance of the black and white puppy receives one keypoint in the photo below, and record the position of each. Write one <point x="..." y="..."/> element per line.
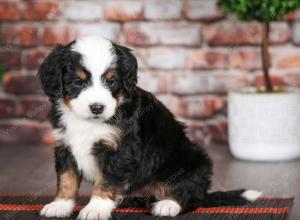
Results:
<point x="119" y="137"/>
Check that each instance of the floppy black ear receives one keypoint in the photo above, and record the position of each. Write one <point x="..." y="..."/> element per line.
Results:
<point x="50" y="73"/>
<point x="127" y="66"/>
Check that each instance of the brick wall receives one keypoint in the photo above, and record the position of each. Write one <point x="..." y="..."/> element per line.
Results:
<point x="189" y="54"/>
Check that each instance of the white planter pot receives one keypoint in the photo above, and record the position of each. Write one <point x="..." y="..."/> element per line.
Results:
<point x="264" y="127"/>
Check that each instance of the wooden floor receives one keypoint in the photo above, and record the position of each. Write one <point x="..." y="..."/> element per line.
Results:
<point x="30" y="170"/>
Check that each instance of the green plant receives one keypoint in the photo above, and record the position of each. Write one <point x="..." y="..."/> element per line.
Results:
<point x="263" y="11"/>
<point x="1" y="72"/>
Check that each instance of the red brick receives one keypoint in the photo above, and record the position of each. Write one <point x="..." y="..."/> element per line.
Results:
<point x="292" y="16"/>
<point x="33" y="58"/>
<point x="276" y="80"/>
<point x="280" y="33"/>
<point x="218" y="129"/>
<point x="48" y="138"/>
<point x="21" y="84"/>
<point x="40" y="10"/>
<point x="172" y="102"/>
<point x="212" y="82"/>
<point x="193" y="106"/>
<point x="166" y="58"/>
<point x="141" y="55"/>
<point x="290" y="58"/>
<point x="19" y="35"/>
<point x="109" y="30"/>
<point x="162" y="10"/>
<point x="9" y="10"/>
<point x="155" y="82"/>
<point x="244" y="33"/>
<point x="233" y="33"/>
<point x="200" y="107"/>
<point x="202" y="10"/>
<point x="34" y="107"/>
<point x="7" y="106"/>
<point x="124" y="10"/>
<point x="83" y="10"/>
<point x="10" y="59"/>
<point x="163" y="33"/>
<point x="280" y="78"/>
<point x="208" y="131"/>
<point x="208" y="59"/>
<point x="55" y="34"/>
<point x="246" y="59"/>
<point x="291" y="78"/>
<point x="296" y="33"/>
<point x="22" y="132"/>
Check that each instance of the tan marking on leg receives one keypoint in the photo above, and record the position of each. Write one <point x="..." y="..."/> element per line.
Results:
<point x="159" y="190"/>
<point x="68" y="185"/>
<point x="162" y="191"/>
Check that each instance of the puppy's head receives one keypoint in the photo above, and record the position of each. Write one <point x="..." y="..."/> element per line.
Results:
<point x="91" y="77"/>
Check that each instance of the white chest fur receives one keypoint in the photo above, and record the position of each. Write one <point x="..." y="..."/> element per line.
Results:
<point x="81" y="135"/>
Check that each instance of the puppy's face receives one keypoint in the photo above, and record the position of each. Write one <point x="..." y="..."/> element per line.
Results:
<point x="91" y="77"/>
<point x="94" y="87"/>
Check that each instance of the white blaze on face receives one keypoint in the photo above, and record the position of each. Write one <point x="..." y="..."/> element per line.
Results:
<point x="97" y="56"/>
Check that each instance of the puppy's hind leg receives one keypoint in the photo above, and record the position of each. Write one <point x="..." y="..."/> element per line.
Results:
<point x="166" y="205"/>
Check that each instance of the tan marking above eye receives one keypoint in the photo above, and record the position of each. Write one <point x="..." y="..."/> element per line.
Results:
<point x="109" y="74"/>
<point x="82" y="74"/>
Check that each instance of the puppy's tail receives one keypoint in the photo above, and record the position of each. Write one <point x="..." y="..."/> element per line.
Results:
<point x="229" y="198"/>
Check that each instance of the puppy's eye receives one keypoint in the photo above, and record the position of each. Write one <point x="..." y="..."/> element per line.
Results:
<point x="78" y="83"/>
<point x="111" y="82"/>
<point x="109" y="78"/>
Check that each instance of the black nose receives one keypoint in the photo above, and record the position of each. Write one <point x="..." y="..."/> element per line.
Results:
<point x="96" y="108"/>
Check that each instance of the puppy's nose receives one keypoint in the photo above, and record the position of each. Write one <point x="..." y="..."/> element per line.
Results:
<point x="96" y="108"/>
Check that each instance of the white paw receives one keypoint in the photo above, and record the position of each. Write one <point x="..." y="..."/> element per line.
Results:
<point x="97" y="209"/>
<point x="166" y="208"/>
<point x="58" y="208"/>
<point x="251" y="195"/>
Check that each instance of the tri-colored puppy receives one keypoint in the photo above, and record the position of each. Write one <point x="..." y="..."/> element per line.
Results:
<point x="119" y="137"/>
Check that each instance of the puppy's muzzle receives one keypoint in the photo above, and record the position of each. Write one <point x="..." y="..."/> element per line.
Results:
<point x="97" y="108"/>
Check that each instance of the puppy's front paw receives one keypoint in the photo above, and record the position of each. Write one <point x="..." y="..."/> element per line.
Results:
<point x="58" y="208"/>
<point x="97" y="209"/>
<point x="166" y="208"/>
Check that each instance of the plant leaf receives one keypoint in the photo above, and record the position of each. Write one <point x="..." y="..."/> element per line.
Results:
<point x="1" y="72"/>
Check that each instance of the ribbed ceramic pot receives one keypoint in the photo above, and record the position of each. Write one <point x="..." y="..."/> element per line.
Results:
<point x="264" y="126"/>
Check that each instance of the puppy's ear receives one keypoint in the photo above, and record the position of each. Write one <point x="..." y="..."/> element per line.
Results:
<point x="50" y="73"/>
<point x="127" y="66"/>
